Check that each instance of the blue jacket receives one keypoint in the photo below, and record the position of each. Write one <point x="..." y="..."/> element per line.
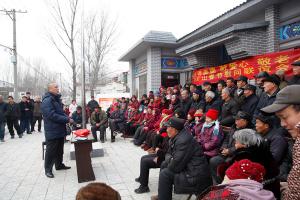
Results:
<point x="54" y="117"/>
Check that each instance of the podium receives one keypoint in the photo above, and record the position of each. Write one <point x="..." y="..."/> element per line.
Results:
<point x="83" y="149"/>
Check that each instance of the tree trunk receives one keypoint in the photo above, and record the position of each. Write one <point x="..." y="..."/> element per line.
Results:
<point x="73" y="70"/>
<point x="74" y="82"/>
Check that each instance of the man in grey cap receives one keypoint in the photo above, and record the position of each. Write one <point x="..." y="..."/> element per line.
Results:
<point x="251" y="99"/>
<point x="259" y="78"/>
<point x="238" y="94"/>
<point x="287" y="107"/>
<point x="296" y="71"/>
<point x="271" y="89"/>
<point x="185" y="165"/>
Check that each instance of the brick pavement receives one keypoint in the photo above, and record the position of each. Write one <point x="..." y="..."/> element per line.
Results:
<point x="22" y="173"/>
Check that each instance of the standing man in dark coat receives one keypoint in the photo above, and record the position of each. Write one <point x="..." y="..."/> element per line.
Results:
<point x="37" y="114"/>
<point x="55" y="121"/>
<point x="30" y="111"/>
<point x="296" y="71"/>
<point x="26" y="113"/>
<point x="3" y="108"/>
<point x="251" y="100"/>
<point x="13" y="114"/>
<point x="185" y="165"/>
<point x="92" y="104"/>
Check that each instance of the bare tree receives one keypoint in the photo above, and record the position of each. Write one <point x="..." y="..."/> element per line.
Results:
<point x="34" y="75"/>
<point x="99" y="42"/>
<point x="65" y="34"/>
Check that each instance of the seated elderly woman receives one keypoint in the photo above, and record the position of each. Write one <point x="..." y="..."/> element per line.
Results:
<point x="243" y="180"/>
<point x="249" y="145"/>
<point x="209" y="134"/>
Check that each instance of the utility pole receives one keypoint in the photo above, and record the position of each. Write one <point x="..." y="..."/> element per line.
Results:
<point x="83" y="72"/>
<point x="12" y="16"/>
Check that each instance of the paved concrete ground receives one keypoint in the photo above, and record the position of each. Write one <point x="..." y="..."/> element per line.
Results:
<point x="22" y="173"/>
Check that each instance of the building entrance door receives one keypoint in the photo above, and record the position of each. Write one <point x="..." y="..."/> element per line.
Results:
<point x="170" y="79"/>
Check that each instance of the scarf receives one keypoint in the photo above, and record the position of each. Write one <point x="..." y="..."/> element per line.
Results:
<point x="209" y="125"/>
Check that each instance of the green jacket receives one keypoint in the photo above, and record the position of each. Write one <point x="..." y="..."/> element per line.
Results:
<point x="102" y="118"/>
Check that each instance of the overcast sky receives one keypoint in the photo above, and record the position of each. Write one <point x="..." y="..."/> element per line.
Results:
<point x="135" y="18"/>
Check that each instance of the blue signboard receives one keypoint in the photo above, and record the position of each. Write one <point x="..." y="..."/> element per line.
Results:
<point x="173" y="63"/>
<point x="289" y="31"/>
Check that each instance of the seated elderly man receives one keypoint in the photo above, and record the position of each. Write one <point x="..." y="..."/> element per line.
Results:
<point x="185" y="165"/>
<point x="211" y="102"/>
<point x="99" y="122"/>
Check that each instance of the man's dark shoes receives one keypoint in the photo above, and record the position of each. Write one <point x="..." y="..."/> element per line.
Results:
<point x="113" y="140"/>
<point x="49" y="174"/>
<point x="142" y="189"/>
<point x="20" y="136"/>
<point x="63" y="167"/>
<point x="12" y="137"/>
<point x="137" y="179"/>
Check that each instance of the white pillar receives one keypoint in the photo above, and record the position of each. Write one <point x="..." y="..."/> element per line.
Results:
<point x="153" y="69"/>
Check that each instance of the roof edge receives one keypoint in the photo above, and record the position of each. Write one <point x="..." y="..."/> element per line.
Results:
<point x="219" y="19"/>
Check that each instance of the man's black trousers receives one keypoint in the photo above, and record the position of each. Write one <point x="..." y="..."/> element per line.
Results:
<point x="165" y="184"/>
<point x="54" y="153"/>
<point x="101" y="128"/>
<point x="11" y="124"/>
<point x="147" y="162"/>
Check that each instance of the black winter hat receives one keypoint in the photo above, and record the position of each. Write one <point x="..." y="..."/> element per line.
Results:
<point x="176" y="123"/>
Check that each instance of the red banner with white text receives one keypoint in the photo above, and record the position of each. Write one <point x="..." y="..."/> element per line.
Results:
<point x="248" y="67"/>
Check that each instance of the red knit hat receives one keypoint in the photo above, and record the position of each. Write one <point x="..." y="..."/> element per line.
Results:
<point x="212" y="113"/>
<point x="167" y="111"/>
<point x="246" y="169"/>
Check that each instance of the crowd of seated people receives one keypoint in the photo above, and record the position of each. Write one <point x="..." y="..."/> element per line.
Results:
<point x="224" y="120"/>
